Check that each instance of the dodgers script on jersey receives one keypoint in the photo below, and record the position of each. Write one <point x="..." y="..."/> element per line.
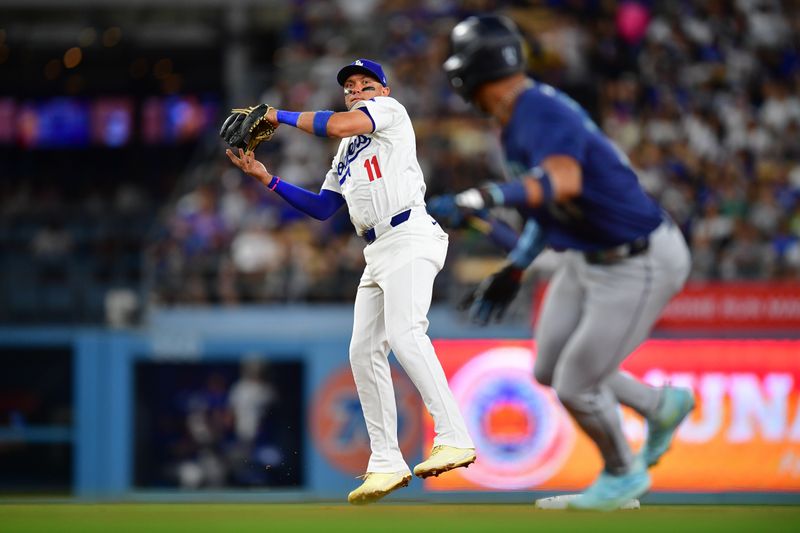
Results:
<point x="378" y="174"/>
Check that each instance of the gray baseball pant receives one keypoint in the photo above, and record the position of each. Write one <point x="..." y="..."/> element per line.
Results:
<point x="592" y="318"/>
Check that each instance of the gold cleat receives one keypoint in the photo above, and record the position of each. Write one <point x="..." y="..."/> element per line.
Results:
<point x="443" y="459"/>
<point x="377" y="485"/>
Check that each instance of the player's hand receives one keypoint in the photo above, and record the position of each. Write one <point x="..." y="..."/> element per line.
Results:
<point x="272" y="116"/>
<point x="491" y="299"/>
<point x="445" y="210"/>
<point x="251" y="166"/>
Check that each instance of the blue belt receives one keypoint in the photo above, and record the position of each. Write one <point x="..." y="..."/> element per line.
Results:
<point x="396" y="220"/>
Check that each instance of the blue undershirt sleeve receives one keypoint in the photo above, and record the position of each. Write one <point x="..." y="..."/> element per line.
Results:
<point x="529" y="246"/>
<point x="502" y="235"/>
<point x="320" y="206"/>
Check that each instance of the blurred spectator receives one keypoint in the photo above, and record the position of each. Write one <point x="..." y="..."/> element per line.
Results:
<point x="713" y="226"/>
<point x="53" y="241"/>
<point x="748" y="257"/>
<point x="678" y="87"/>
<point x="206" y="420"/>
<point x="764" y="211"/>
<point x="702" y="96"/>
<point x="251" y="399"/>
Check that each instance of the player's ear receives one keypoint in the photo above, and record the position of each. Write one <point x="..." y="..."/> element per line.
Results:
<point x="385" y="91"/>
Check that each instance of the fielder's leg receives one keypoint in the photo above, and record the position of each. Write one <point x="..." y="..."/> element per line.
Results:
<point x="408" y="295"/>
<point x="404" y="262"/>
<point x="369" y="351"/>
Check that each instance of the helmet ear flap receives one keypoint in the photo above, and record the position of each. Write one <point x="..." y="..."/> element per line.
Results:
<point x="454" y="68"/>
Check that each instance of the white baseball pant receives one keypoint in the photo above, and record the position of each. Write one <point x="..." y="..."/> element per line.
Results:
<point x="391" y="309"/>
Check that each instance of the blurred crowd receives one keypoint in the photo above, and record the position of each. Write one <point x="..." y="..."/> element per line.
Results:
<point x="72" y="235"/>
<point x="702" y="96"/>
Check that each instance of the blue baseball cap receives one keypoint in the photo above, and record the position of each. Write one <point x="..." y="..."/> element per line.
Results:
<point x="362" y="66"/>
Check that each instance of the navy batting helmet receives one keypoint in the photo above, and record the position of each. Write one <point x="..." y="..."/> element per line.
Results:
<point x="484" y="48"/>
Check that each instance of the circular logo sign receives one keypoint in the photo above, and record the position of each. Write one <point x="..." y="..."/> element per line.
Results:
<point x="338" y="427"/>
<point x="522" y="433"/>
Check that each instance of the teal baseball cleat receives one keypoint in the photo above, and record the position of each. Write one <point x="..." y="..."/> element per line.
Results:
<point x="611" y="492"/>
<point x="676" y="404"/>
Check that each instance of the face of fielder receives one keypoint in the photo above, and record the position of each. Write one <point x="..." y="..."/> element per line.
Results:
<point x="360" y="87"/>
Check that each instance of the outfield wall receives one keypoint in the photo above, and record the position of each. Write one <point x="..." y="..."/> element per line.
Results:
<point x="151" y="413"/>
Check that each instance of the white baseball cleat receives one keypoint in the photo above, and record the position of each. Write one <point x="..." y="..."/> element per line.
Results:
<point x="443" y="459"/>
<point x="561" y="502"/>
<point x="376" y="485"/>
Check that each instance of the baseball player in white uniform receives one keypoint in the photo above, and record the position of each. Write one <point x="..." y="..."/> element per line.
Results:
<point x="376" y="173"/>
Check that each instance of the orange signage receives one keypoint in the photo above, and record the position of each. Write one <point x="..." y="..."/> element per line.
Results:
<point x="337" y="422"/>
<point x="744" y="434"/>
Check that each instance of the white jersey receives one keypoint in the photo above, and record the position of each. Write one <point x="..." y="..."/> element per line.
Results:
<point x="378" y="174"/>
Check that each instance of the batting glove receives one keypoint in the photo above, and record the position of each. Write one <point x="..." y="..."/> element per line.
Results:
<point x="492" y="297"/>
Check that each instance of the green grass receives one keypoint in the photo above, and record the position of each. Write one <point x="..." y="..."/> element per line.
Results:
<point x="385" y="517"/>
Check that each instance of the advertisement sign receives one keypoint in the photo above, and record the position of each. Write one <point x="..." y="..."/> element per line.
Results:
<point x="714" y="307"/>
<point x="744" y="434"/>
<point x="729" y="306"/>
<point x="337" y="422"/>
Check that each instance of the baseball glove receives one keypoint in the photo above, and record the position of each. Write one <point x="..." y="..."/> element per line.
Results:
<point x="247" y="127"/>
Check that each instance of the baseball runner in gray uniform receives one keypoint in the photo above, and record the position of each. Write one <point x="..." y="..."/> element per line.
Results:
<point x="623" y="258"/>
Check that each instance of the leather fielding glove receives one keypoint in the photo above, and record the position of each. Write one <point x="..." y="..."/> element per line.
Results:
<point x="247" y="127"/>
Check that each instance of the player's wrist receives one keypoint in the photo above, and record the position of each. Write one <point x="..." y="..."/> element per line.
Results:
<point x="518" y="263"/>
<point x="513" y="194"/>
<point x="529" y="245"/>
<point x="287" y="117"/>
<point x="513" y="271"/>
<point x="545" y="183"/>
<point x="273" y="183"/>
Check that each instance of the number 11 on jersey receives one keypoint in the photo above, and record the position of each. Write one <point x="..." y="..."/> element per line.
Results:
<point x="373" y="170"/>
